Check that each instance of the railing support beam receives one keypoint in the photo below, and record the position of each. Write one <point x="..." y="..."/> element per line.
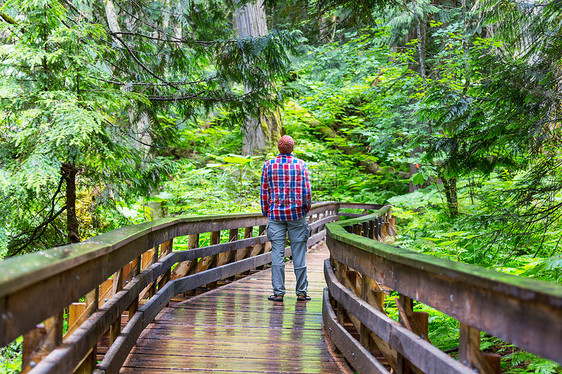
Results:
<point x="471" y="355"/>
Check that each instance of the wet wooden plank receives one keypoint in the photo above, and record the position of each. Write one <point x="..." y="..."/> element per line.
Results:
<point x="239" y="364"/>
<point x="236" y="329"/>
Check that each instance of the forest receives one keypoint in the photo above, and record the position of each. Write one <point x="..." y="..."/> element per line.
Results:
<point x="114" y="113"/>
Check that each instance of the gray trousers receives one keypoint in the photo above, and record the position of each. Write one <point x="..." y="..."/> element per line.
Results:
<point x="298" y="235"/>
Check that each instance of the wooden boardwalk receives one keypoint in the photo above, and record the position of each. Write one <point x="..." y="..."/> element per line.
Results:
<point x="235" y="329"/>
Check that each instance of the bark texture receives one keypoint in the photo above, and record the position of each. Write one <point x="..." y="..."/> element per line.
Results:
<point x="450" y="187"/>
<point x="69" y="172"/>
<point x="262" y="132"/>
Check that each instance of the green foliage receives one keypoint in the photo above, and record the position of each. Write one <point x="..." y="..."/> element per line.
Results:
<point x="109" y="96"/>
<point x="10" y="357"/>
<point x="339" y="99"/>
<point x="53" y="112"/>
<point x="215" y="188"/>
<point x="472" y="237"/>
<point x="424" y="226"/>
<point x="149" y="110"/>
<point x="524" y="362"/>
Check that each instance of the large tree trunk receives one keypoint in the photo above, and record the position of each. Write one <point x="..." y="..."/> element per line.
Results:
<point x="261" y="132"/>
<point x="69" y="172"/>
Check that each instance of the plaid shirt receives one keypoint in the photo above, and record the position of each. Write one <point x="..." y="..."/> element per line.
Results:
<point x="285" y="188"/>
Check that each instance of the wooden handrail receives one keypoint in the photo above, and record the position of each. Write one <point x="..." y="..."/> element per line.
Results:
<point x="115" y="271"/>
<point x="522" y="311"/>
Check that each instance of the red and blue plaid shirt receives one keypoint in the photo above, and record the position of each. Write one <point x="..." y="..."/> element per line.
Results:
<point x="285" y="188"/>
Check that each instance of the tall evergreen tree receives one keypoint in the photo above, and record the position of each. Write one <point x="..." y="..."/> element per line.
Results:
<point x="84" y="84"/>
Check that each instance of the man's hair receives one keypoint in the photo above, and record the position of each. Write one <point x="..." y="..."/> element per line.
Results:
<point x="286" y="144"/>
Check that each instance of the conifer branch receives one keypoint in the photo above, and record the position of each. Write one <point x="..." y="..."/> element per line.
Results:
<point x="8" y="19"/>
<point x="148" y="84"/>
<point x="198" y="97"/>
<point x="143" y="21"/>
<point x="143" y="66"/>
<point x="174" y="39"/>
<point x="38" y="231"/>
<point x="150" y="37"/>
<point x="79" y="12"/>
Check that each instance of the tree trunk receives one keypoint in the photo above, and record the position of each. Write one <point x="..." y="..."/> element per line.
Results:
<point x="420" y="44"/>
<point x="450" y="187"/>
<point x="262" y="132"/>
<point x="69" y="172"/>
<point x="111" y="16"/>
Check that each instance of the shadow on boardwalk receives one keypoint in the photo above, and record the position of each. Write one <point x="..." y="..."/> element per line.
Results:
<point x="235" y="329"/>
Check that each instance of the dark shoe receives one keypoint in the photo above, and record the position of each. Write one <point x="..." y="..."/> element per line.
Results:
<point x="303" y="297"/>
<point x="275" y="297"/>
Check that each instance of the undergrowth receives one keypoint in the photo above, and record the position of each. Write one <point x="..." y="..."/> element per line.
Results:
<point x="474" y="238"/>
<point x="10" y="357"/>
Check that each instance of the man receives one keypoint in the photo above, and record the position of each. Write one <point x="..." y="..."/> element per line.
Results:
<point x="285" y="200"/>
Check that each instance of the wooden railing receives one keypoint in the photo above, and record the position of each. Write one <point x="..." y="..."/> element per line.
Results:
<point x="106" y="290"/>
<point x="363" y="271"/>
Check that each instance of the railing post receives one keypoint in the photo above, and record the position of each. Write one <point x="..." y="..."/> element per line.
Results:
<point x="371" y="233"/>
<point x="135" y="270"/>
<point x="165" y="249"/>
<point x="365" y="229"/>
<point x="242" y="253"/>
<point x="364" y="333"/>
<point x="89" y="363"/>
<point x="230" y="256"/>
<point x="31" y="341"/>
<point x="186" y="267"/>
<point x="403" y="303"/>
<point x="258" y="248"/>
<point x="340" y="312"/>
<point x="372" y="294"/>
<point x="75" y="310"/>
<point x="192" y="243"/>
<point x="41" y="341"/>
<point x="115" y="328"/>
<point x="210" y="261"/>
<point x="471" y="355"/>
<point x="391" y="223"/>
<point x="149" y="258"/>
<point x="416" y="322"/>
<point x="78" y="313"/>
<point x="226" y="257"/>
